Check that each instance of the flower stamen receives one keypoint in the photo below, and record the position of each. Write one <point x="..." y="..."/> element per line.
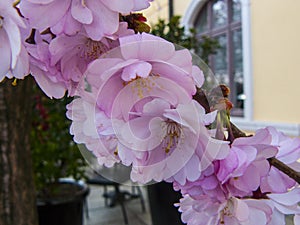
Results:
<point x="140" y="85"/>
<point x="173" y="134"/>
<point x="94" y="49"/>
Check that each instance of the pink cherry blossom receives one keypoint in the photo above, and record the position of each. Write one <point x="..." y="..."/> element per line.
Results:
<point x="207" y="184"/>
<point x="60" y="65"/>
<point x="14" y="60"/>
<point x="247" y="163"/>
<point x="86" y="126"/>
<point x="285" y="204"/>
<point x="288" y="153"/>
<point x="97" y="18"/>
<point x="151" y="93"/>
<point x="141" y="67"/>
<point x="163" y="141"/>
<point x="47" y="76"/>
<point x="234" y="211"/>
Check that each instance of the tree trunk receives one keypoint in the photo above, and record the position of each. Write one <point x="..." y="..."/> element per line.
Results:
<point x="17" y="192"/>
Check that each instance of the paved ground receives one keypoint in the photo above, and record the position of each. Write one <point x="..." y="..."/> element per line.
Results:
<point x="99" y="214"/>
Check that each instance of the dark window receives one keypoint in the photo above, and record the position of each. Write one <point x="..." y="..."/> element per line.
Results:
<point x="221" y="20"/>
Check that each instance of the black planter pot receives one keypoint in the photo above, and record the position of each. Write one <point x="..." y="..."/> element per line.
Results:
<point x="161" y="199"/>
<point x="66" y="210"/>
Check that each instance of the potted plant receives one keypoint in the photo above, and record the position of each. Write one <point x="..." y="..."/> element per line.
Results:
<point x="56" y="156"/>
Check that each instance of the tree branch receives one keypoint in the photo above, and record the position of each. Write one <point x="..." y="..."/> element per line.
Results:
<point x="285" y="169"/>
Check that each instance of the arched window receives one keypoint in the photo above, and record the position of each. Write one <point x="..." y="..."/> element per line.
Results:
<point x="222" y="20"/>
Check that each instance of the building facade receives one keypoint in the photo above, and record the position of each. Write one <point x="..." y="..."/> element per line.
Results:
<point x="259" y="56"/>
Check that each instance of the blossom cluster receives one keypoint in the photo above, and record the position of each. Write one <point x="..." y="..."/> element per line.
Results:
<point x="134" y="104"/>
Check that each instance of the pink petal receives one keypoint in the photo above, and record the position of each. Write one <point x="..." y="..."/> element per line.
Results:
<point x="22" y="67"/>
<point x="156" y="107"/>
<point x="115" y="5"/>
<point x="198" y="76"/>
<point x="141" y="134"/>
<point x="138" y="69"/>
<point x="14" y="38"/>
<point x="104" y="23"/>
<point x="41" y="1"/>
<point x="141" y="4"/>
<point x="146" y="47"/>
<point x="56" y="90"/>
<point x="290" y="198"/>
<point x="66" y="25"/>
<point x="183" y="59"/>
<point x="5" y="60"/>
<point x="241" y="210"/>
<point x="42" y="18"/>
<point x="81" y="12"/>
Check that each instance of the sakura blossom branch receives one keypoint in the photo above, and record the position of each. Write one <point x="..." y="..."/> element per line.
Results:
<point x="139" y="102"/>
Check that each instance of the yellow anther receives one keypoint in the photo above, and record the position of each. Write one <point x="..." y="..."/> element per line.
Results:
<point x="94" y="49"/>
<point x="116" y="151"/>
<point x="14" y="83"/>
<point x="141" y="85"/>
<point x="173" y="133"/>
<point x="16" y="3"/>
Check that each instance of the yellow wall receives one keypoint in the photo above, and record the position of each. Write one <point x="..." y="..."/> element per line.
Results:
<point x="157" y="10"/>
<point x="275" y="35"/>
<point x="276" y="60"/>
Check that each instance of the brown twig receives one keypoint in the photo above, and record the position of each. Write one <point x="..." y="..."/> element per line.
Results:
<point x="202" y="98"/>
<point x="285" y="169"/>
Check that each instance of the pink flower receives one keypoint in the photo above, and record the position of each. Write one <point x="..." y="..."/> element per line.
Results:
<point x="143" y="66"/>
<point x="288" y="153"/>
<point x="285" y="204"/>
<point x="246" y="163"/>
<point x="48" y="77"/>
<point x="86" y="126"/>
<point x="97" y="18"/>
<point x="161" y="142"/>
<point x="59" y="66"/>
<point x="234" y="211"/>
<point x="207" y="184"/>
<point x="14" y="60"/>
<point x="152" y="93"/>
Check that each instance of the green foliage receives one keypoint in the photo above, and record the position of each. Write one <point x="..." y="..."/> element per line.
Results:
<point x="54" y="153"/>
<point x="174" y="32"/>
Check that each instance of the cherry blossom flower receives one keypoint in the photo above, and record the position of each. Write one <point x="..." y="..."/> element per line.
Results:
<point x="14" y="60"/>
<point x="59" y="64"/>
<point x="234" y="211"/>
<point x="141" y="67"/>
<point x="285" y="204"/>
<point x="207" y="184"/>
<point x="72" y="16"/>
<point x="288" y="153"/>
<point x="84" y="118"/>
<point x="136" y="86"/>
<point x="48" y="77"/>
<point x="247" y="163"/>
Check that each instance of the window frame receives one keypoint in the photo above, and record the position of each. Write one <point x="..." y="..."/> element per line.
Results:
<point x="189" y="20"/>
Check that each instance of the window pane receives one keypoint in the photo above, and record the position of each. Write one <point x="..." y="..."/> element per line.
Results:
<point x="236" y="10"/>
<point x="220" y="61"/>
<point x="238" y="68"/>
<point x="201" y="24"/>
<point x="219" y="10"/>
